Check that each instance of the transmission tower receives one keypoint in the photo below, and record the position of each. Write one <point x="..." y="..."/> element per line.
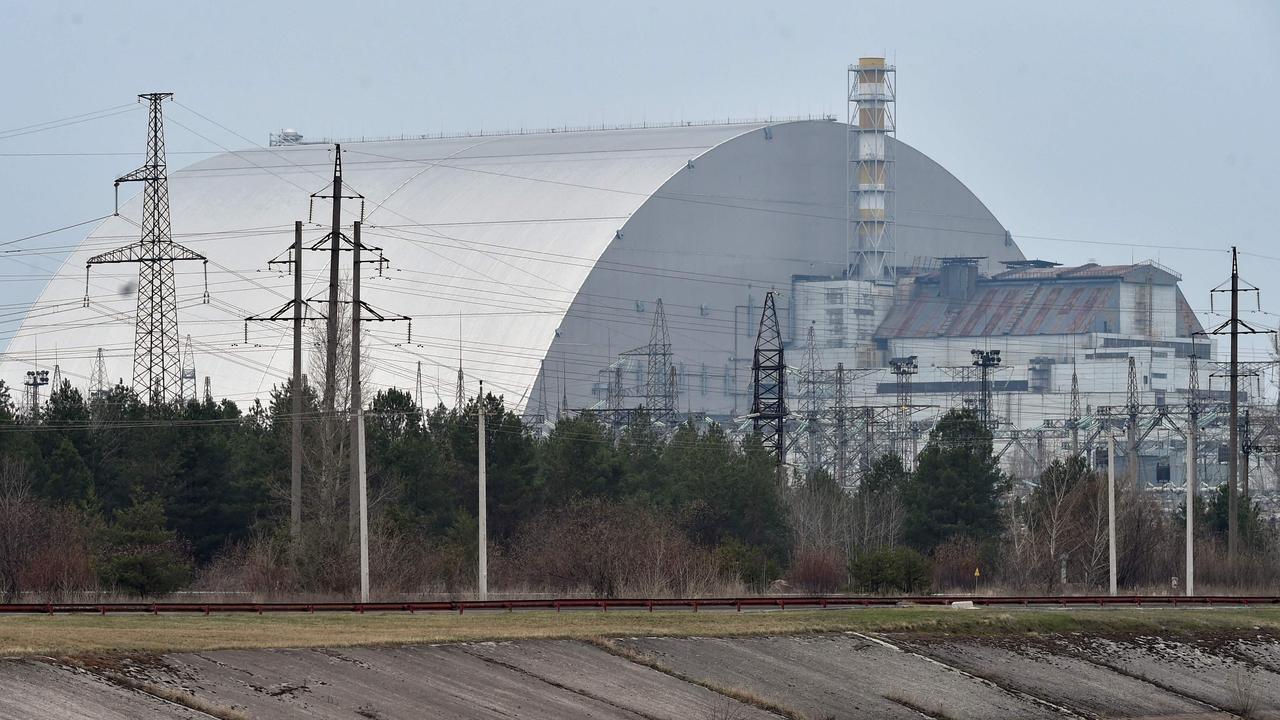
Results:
<point x="1074" y="420"/>
<point x="417" y="388"/>
<point x="811" y="402"/>
<point x="208" y="390"/>
<point x="98" y="378"/>
<point x="673" y="391"/>
<point x="1193" y="386"/>
<point x="156" y="364"/>
<point x="56" y="382"/>
<point x="660" y="392"/>
<point x="543" y="410"/>
<point x="188" y="372"/>
<point x="768" y="383"/>
<point x="563" y="411"/>
<point x="460" y="399"/>
<point x="841" y="423"/>
<point x="614" y="393"/>
<point x="1133" y="407"/>
<point x="536" y="413"/>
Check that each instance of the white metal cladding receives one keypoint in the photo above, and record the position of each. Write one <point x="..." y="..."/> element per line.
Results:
<point x="547" y="246"/>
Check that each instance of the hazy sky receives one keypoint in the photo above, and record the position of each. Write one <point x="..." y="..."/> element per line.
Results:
<point x="1107" y="131"/>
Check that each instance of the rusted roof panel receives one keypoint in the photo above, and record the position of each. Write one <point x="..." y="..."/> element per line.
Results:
<point x="1046" y="308"/>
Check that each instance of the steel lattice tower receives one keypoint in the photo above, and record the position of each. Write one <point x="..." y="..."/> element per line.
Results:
<point x="417" y="388"/>
<point x="188" y="372"/>
<point x="1132" y="408"/>
<point x="543" y="410"/>
<point x="1074" y="420"/>
<point x="156" y="354"/>
<point x="460" y="392"/>
<point x="769" y="383"/>
<point x="659" y="391"/>
<point x="841" y="428"/>
<point x="614" y="393"/>
<point x="98" y="378"/>
<point x="1193" y="386"/>
<point x="813" y="403"/>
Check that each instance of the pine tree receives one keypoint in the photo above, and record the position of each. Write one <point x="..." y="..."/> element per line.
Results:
<point x="956" y="487"/>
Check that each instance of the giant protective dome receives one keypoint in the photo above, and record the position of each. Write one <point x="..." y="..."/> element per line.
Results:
<point x="539" y="256"/>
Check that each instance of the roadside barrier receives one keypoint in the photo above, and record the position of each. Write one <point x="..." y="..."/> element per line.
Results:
<point x="778" y="602"/>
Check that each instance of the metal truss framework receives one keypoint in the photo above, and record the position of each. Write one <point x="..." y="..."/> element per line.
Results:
<point x="769" y="383"/>
<point x="869" y="200"/>
<point x="157" y="368"/>
<point x="657" y="393"/>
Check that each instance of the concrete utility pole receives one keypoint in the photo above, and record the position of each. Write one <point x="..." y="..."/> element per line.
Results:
<point x="1191" y="513"/>
<point x="1111" y="511"/>
<point x="1234" y="327"/>
<point x="1193" y="428"/>
<point x="482" y="552"/>
<point x="295" y="466"/>
<point x="335" y="251"/>
<point x="359" y="479"/>
<point x="1233" y="458"/>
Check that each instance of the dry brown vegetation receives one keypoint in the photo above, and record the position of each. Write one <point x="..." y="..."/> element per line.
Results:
<point x="44" y="551"/>
<point x="614" y="551"/>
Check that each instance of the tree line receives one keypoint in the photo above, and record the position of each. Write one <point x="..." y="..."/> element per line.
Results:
<point x="110" y="493"/>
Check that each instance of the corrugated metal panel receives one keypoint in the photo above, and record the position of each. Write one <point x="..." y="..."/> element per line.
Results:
<point x="1049" y="308"/>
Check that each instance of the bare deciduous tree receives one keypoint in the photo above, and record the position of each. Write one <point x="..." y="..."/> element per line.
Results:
<point x="19" y="521"/>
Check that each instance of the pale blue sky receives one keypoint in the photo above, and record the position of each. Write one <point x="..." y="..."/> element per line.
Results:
<point x="1107" y="124"/>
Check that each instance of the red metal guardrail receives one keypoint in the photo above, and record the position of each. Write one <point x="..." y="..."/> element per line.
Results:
<point x="605" y="604"/>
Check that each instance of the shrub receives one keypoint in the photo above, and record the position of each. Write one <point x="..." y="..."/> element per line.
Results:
<point x="610" y="549"/>
<point x="954" y="564"/>
<point x="750" y="564"/>
<point x="61" y="561"/>
<point x="890" y="570"/>
<point x="816" y="570"/>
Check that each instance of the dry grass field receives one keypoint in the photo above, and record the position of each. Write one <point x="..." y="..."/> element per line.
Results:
<point x="79" y="635"/>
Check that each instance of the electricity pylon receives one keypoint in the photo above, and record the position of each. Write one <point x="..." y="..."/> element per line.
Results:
<point x="156" y="360"/>
<point x="769" y="383"/>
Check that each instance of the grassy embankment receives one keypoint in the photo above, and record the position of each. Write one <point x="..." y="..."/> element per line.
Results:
<point x="70" y="635"/>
